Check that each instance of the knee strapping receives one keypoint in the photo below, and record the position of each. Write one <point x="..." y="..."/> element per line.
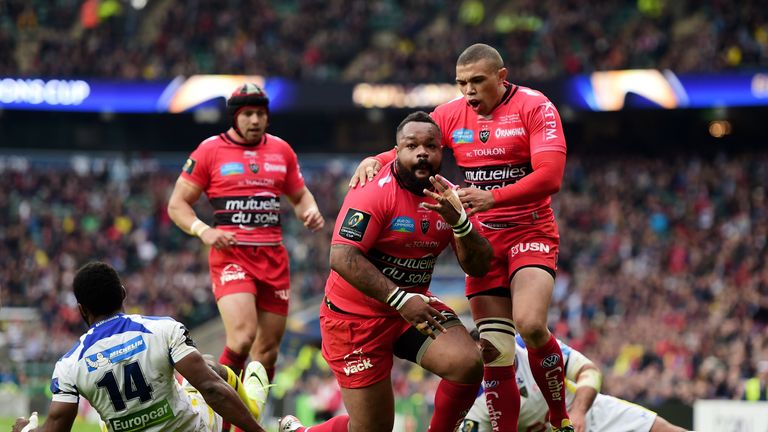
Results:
<point x="500" y="333"/>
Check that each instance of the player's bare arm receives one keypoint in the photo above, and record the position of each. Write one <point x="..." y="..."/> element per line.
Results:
<point x="61" y="416"/>
<point x="588" y="381"/>
<point x="472" y="249"/>
<point x="305" y="207"/>
<point x="185" y="194"/>
<point x="356" y="269"/>
<point x="219" y="395"/>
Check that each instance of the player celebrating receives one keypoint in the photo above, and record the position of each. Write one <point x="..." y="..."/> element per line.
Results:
<point x="508" y="140"/>
<point x="589" y="410"/>
<point x="124" y="366"/>
<point x="377" y="302"/>
<point x="243" y="172"/>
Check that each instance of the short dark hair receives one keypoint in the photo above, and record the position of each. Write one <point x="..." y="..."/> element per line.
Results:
<point x="418" y="117"/>
<point x="475" y="53"/>
<point x="98" y="288"/>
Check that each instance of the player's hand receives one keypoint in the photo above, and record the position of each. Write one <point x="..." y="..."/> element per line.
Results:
<point x="579" y="421"/>
<point x="365" y="171"/>
<point x="448" y="202"/>
<point x="312" y="219"/>
<point x="422" y="316"/>
<point x="24" y="425"/>
<point x="218" y="239"/>
<point x="476" y="200"/>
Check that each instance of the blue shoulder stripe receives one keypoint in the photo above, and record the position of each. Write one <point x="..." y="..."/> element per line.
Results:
<point x="519" y="340"/>
<point x="117" y="325"/>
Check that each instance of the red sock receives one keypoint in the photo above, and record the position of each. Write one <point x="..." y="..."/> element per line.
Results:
<point x="236" y="362"/>
<point x="502" y="398"/>
<point x="549" y="372"/>
<point x="452" y="402"/>
<point x="336" y="424"/>
<point x="270" y="373"/>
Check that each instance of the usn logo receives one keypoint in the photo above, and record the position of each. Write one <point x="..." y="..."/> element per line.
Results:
<point x="116" y="353"/>
<point x="402" y="224"/>
<point x="463" y="136"/>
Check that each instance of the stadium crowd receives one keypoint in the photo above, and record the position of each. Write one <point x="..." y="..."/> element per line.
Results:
<point x="662" y="275"/>
<point x="383" y="40"/>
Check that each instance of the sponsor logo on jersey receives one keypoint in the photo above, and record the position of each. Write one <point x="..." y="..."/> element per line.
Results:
<point x="550" y="120"/>
<point x="249" y="212"/>
<point x="355" y="224"/>
<point x="115" y="354"/>
<point x="231" y="272"/>
<point x="152" y="415"/>
<point x="493" y="151"/>
<point x="404" y="271"/>
<point x="530" y="247"/>
<point x="463" y="136"/>
<point x="493" y="177"/>
<point x="270" y="167"/>
<point x="232" y="168"/>
<point x="442" y="225"/>
<point x="250" y="153"/>
<point x="423" y="244"/>
<point x="189" y="166"/>
<point x="506" y="133"/>
<point x="510" y="118"/>
<point x="356" y="361"/>
<point x="424" y="226"/>
<point x="402" y="224"/>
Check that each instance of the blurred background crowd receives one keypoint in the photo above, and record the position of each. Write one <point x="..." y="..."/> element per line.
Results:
<point x="381" y="40"/>
<point x="663" y="279"/>
<point x="662" y="275"/>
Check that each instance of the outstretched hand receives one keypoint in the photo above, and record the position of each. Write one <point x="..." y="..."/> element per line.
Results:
<point x="24" y="425"/>
<point x="365" y="171"/>
<point x="448" y="203"/>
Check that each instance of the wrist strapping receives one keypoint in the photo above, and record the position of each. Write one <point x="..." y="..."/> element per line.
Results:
<point x="398" y="298"/>
<point x="198" y="227"/>
<point x="463" y="226"/>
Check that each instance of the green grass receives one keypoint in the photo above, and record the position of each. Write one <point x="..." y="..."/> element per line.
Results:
<point x="7" y="422"/>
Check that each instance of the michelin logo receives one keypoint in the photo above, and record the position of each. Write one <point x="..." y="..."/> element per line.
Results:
<point x="115" y="354"/>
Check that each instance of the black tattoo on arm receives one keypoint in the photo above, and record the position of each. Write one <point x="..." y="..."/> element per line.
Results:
<point x="356" y="269"/>
<point x="474" y="253"/>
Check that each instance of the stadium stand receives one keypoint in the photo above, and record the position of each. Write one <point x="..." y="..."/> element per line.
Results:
<point x="384" y="40"/>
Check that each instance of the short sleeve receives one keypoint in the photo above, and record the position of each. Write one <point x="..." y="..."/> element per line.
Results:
<point x="293" y="178"/>
<point x="180" y="343"/>
<point x="363" y="213"/>
<point x="544" y="126"/>
<point x="197" y="168"/>
<point x="63" y="384"/>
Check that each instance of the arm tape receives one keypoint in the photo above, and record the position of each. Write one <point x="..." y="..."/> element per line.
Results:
<point x="590" y="378"/>
<point x="198" y="227"/>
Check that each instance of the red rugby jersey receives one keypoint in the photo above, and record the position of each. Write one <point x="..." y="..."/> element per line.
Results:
<point x="244" y="184"/>
<point x="401" y="238"/>
<point x="495" y="150"/>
